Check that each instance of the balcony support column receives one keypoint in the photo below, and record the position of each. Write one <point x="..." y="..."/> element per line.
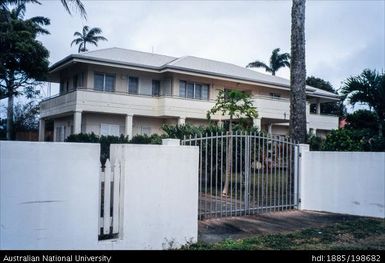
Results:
<point x="128" y="125"/>
<point x="41" y="130"/>
<point x="77" y="122"/>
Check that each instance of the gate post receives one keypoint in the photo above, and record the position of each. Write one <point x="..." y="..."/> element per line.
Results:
<point x="298" y="172"/>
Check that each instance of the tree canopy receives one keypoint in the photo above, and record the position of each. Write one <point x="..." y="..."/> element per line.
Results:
<point x="23" y="60"/>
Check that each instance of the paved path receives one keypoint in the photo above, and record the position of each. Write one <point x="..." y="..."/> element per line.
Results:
<point x="214" y="230"/>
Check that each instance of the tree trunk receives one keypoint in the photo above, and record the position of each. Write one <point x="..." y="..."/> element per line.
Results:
<point x="298" y="73"/>
<point x="10" y="115"/>
<point x="229" y="159"/>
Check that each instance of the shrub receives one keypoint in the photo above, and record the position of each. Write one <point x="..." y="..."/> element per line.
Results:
<point x="342" y="140"/>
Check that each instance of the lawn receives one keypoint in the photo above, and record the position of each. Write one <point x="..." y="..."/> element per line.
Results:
<point x="356" y="234"/>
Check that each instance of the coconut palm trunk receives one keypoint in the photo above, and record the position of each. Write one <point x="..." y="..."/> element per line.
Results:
<point x="298" y="73"/>
<point x="10" y="114"/>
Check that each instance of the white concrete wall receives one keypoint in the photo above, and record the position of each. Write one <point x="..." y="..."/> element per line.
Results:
<point x="160" y="196"/>
<point x="343" y="182"/>
<point x="49" y="195"/>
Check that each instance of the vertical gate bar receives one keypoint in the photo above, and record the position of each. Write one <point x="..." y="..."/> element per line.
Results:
<point x="287" y="171"/>
<point x="271" y="173"/>
<point x="227" y="170"/>
<point x="116" y="201"/>
<point x="282" y="149"/>
<point x="216" y="175"/>
<point x="241" y="174"/>
<point x="296" y="158"/>
<point x="211" y="173"/>
<point x="248" y="138"/>
<point x="200" y="178"/>
<point x="275" y="174"/>
<point x="263" y="196"/>
<point x="258" y="172"/>
<point x="101" y="202"/>
<point x="279" y="175"/>
<point x="254" y="165"/>
<point x="221" y="181"/>
<point x="107" y="200"/>
<point x="243" y="185"/>
<point x="236" y="171"/>
<point x="291" y="172"/>
<point x="246" y="192"/>
<point x="207" y="198"/>
<point x="231" y="171"/>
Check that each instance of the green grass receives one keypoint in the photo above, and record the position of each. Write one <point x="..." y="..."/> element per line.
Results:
<point x="356" y="234"/>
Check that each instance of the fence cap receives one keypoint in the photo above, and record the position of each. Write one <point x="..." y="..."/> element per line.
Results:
<point x="171" y="142"/>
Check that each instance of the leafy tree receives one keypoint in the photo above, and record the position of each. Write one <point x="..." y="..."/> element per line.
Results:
<point x="335" y="108"/>
<point x="235" y="104"/>
<point x="362" y="119"/>
<point x="277" y="61"/>
<point x="367" y="88"/>
<point x="87" y="35"/>
<point x="26" y="116"/>
<point x="24" y="60"/>
<point x="297" y="127"/>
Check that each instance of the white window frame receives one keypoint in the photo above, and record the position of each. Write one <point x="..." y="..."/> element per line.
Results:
<point x="112" y="129"/>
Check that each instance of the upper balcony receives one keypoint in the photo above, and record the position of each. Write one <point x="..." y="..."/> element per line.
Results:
<point x="167" y="106"/>
<point x="124" y="103"/>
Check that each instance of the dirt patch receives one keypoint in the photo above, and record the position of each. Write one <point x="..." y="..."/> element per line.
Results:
<point x="215" y="230"/>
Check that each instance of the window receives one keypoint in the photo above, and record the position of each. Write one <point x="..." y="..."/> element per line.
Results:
<point x="109" y="129"/>
<point x="182" y="89"/>
<point x="133" y="85"/>
<point x="104" y="82"/>
<point x="193" y="90"/>
<point x="61" y="87"/>
<point x="205" y="92"/>
<point x="275" y="95"/>
<point x="155" y="88"/>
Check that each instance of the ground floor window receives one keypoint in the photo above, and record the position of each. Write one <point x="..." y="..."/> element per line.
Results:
<point x="109" y="129"/>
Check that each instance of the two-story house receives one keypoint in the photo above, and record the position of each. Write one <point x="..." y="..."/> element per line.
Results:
<point x="118" y="91"/>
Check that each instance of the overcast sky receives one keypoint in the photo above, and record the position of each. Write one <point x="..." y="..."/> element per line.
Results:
<point x="342" y="37"/>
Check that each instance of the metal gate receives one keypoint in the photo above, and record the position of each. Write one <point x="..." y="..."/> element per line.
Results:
<point x="245" y="173"/>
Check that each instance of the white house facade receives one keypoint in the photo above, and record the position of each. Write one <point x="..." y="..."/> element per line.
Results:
<point x="118" y="91"/>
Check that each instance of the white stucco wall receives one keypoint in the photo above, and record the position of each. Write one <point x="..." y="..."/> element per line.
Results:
<point x="160" y="203"/>
<point x="343" y="182"/>
<point x="49" y="195"/>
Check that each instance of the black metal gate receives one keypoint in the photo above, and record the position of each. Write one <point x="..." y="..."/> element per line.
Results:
<point x="245" y="173"/>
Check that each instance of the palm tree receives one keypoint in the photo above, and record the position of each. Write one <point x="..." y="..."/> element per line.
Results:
<point x="277" y="61"/>
<point x="367" y="88"/>
<point x="297" y="127"/>
<point x="87" y="36"/>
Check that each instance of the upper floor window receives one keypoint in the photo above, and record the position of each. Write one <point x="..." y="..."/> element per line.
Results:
<point x="133" y="85"/>
<point x="104" y="82"/>
<point x="155" y="88"/>
<point x="275" y="95"/>
<point x="193" y="90"/>
<point x="77" y="81"/>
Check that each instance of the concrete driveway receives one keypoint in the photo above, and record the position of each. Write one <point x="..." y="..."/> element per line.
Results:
<point x="215" y="230"/>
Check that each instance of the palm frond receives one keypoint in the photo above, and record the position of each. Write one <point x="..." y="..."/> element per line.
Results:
<point x="259" y="64"/>
<point x="94" y="31"/>
<point x="78" y="6"/>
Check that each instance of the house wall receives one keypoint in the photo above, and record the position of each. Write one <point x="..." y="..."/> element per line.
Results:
<point x="160" y="196"/>
<point x="343" y="182"/>
<point x="49" y="195"/>
<point x="142" y="125"/>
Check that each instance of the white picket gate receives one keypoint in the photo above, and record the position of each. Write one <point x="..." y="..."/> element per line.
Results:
<point x="110" y="191"/>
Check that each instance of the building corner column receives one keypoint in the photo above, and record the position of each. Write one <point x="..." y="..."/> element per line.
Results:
<point x="128" y="125"/>
<point x="41" y="130"/>
<point x="77" y="122"/>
